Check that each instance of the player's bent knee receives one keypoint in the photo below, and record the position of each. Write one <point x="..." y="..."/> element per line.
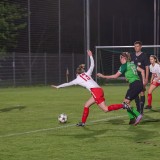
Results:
<point x="86" y="106"/>
<point x="103" y="107"/>
<point x="150" y="91"/>
<point x="105" y="110"/>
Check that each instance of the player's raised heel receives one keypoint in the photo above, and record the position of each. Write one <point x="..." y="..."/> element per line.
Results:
<point x="80" y="124"/>
<point x="138" y="119"/>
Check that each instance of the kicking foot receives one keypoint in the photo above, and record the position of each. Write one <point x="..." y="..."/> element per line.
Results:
<point x="132" y="121"/>
<point x="138" y="119"/>
<point x="80" y="124"/>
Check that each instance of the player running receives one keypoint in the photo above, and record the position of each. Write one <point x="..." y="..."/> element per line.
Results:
<point x="155" y="78"/>
<point x="135" y="85"/>
<point x="84" y="79"/>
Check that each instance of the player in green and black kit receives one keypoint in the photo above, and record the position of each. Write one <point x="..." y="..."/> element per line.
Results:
<point x="135" y="85"/>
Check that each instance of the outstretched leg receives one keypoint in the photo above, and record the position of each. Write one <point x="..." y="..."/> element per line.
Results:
<point x="112" y="107"/>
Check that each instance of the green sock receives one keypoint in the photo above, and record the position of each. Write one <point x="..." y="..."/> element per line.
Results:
<point x="135" y="112"/>
<point x="130" y="115"/>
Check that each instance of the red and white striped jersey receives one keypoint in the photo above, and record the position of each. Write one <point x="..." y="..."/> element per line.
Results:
<point x="83" y="79"/>
<point x="155" y="70"/>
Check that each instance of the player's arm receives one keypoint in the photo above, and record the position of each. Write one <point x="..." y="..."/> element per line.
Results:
<point x="147" y="74"/>
<point x="114" y="76"/>
<point x="151" y="78"/>
<point x="143" y="74"/>
<point x="121" y="70"/>
<point x="159" y="73"/>
<point x="65" y="84"/>
<point x="90" y="70"/>
<point x="146" y="62"/>
<point x="53" y="86"/>
<point x="157" y="80"/>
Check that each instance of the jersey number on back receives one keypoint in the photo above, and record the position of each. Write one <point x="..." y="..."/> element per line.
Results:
<point x="85" y="77"/>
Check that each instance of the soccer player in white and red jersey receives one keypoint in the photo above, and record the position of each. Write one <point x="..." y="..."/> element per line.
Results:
<point x="84" y="79"/>
<point x="155" y="78"/>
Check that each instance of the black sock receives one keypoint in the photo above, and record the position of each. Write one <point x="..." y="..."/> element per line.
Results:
<point x="142" y="103"/>
<point x="137" y="101"/>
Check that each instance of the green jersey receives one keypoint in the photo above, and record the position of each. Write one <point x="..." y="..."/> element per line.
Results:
<point x="130" y="71"/>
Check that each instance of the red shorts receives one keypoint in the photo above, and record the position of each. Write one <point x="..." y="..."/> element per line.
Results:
<point x="98" y="95"/>
<point x="155" y="83"/>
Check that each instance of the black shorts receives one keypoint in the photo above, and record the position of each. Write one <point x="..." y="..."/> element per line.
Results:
<point x="134" y="90"/>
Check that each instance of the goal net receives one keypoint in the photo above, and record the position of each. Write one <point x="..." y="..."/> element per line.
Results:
<point x="107" y="59"/>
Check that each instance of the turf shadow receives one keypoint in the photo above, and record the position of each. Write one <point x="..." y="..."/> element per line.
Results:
<point x="144" y="136"/>
<point x="12" y="108"/>
<point x="116" y="121"/>
<point x="93" y="134"/>
<point x="148" y="119"/>
<point x="90" y="134"/>
<point x="151" y="110"/>
<point x="155" y="110"/>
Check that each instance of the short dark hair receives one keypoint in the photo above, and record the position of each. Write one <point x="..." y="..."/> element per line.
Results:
<point x="138" y="42"/>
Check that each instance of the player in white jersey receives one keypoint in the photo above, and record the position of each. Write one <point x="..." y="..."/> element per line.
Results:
<point x="155" y="78"/>
<point x="84" y="79"/>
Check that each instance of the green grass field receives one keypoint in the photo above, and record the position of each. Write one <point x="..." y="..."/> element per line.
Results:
<point x="29" y="129"/>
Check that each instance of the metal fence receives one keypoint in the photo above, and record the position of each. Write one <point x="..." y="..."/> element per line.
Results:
<point x="107" y="57"/>
<point x="38" y="69"/>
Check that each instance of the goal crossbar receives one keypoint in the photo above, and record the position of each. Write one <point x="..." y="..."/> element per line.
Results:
<point x="144" y="46"/>
<point x="116" y="47"/>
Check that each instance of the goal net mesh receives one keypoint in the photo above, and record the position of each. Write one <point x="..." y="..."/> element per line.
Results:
<point x="108" y="62"/>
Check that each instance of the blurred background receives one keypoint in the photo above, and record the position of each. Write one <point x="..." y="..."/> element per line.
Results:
<point x="43" y="41"/>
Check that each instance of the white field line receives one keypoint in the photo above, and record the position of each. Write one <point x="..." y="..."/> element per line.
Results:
<point x="60" y="127"/>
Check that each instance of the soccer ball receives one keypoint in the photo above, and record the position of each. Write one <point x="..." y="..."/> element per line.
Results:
<point x="62" y="118"/>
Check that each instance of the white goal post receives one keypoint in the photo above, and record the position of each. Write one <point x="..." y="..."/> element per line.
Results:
<point x="107" y="57"/>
